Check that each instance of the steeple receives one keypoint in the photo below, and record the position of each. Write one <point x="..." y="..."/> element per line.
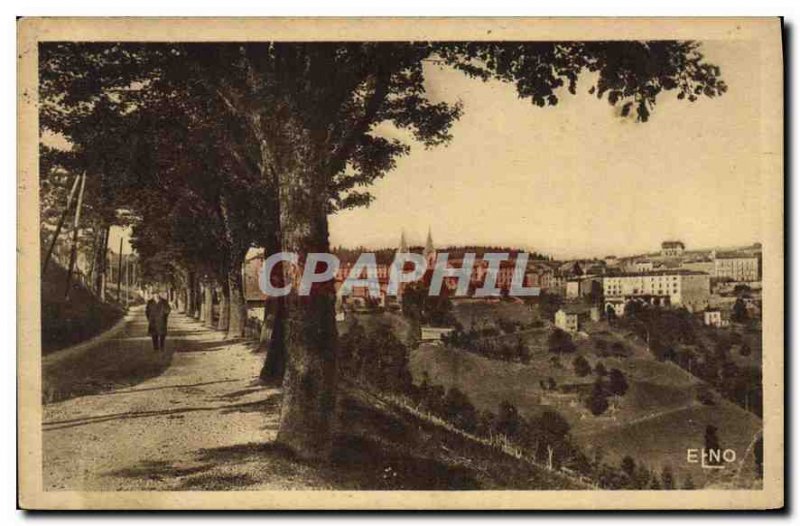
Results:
<point x="430" y="252"/>
<point x="403" y="249"/>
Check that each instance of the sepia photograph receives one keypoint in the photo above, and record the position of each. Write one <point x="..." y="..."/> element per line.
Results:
<point x="400" y="263"/>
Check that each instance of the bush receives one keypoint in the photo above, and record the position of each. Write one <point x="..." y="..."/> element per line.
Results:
<point x="597" y="402"/>
<point x="560" y="342"/>
<point x="377" y="358"/>
<point x="508" y="421"/>
<point x="619" y="349"/>
<point x="617" y="384"/>
<point x="459" y="411"/>
<point x="600" y="369"/>
<point x="581" y="366"/>
<point x="705" y="395"/>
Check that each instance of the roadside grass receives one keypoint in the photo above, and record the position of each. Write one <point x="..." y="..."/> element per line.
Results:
<point x="119" y="363"/>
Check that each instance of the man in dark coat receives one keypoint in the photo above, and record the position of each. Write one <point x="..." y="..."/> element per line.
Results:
<point x="157" y="314"/>
<point x="149" y="312"/>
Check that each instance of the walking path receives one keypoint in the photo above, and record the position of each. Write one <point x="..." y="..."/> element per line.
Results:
<point x="204" y="423"/>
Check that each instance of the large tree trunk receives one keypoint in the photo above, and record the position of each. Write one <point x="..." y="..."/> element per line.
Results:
<point x="238" y="306"/>
<point x="100" y="264"/>
<point x="191" y="299"/>
<point x="309" y="386"/>
<point x="224" y="307"/>
<point x="275" y="360"/>
<point x="207" y="309"/>
<point x="273" y="331"/>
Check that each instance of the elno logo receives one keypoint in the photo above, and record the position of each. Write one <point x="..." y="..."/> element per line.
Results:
<point x="710" y="458"/>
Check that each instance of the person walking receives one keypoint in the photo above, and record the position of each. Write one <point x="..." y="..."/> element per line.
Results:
<point x="157" y="316"/>
<point x="149" y="311"/>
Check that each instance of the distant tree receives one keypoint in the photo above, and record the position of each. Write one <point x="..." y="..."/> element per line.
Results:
<point x="628" y="465"/>
<point x="739" y="313"/>
<point x="619" y="349"/>
<point x="549" y="304"/>
<point x="486" y="423"/>
<point x="598" y="403"/>
<point x="459" y="410"/>
<point x="422" y="308"/>
<point x="655" y="483"/>
<point x="553" y="425"/>
<point x="600" y="346"/>
<point x="508" y="422"/>
<point x="560" y="342"/>
<point x="523" y="352"/>
<point x="551" y="383"/>
<point x="745" y="350"/>
<point x="667" y="478"/>
<point x="600" y="369"/>
<point x="705" y="395"/>
<point x="617" y="383"/>
<point x="581" y="366"/>
<point x="611" y="315"/>
<point x="688" y="483"/>
<point x="634" y="309"/>
<point x="641" y="478"/>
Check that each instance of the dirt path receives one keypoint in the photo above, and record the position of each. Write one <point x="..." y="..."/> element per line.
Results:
<point x="204" y="423"/>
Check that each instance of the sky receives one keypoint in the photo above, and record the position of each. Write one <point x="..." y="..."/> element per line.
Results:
<point x="576" y="180"/>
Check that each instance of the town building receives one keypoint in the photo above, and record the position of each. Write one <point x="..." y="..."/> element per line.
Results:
<point x="736" y="266"/>
<point x="671" y="249"/>
<point x="567" y="320"/>
<point x="713" y="318"/>
<point x="571" y="318"/>
<point x="676" y="288"/>
<point x="584" y="287"/>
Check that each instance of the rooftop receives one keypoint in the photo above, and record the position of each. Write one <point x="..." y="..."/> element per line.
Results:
<point x="671" y="272"/>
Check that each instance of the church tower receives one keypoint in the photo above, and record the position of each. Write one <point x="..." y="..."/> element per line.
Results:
<point x="430" y="252"/>
<point x="403" y="249"/>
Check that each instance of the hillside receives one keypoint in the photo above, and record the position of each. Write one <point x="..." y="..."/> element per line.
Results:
<point x="67" y="322"/>
<point x="655" y="422"/>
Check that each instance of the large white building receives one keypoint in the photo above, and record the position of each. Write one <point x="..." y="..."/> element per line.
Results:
<point x="676" y="288"/>
<point x="736" y="266"/>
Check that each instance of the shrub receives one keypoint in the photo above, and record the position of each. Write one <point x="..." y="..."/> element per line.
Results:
<point x="560" y="342"/>
<point x="597" y="402"/>
<point x="581" y="366"/>
<point x="617" y="383"/>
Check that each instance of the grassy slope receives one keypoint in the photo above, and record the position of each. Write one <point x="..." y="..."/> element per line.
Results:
<point x="656" y="421"/>
<point x="387" y="448"/>
<point x="67" y="322"/>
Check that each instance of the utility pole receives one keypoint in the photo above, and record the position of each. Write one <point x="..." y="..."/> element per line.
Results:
<point x="127" y="280"/>
<point x="76" y="227"/>
<point x="60" y="224"/>
<point x="119" y="273"/>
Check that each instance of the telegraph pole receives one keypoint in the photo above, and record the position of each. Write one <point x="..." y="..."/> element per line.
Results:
<point x="119" y="272"/>
<point x="60" y="224"/>
<point x="76" y="227"/>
